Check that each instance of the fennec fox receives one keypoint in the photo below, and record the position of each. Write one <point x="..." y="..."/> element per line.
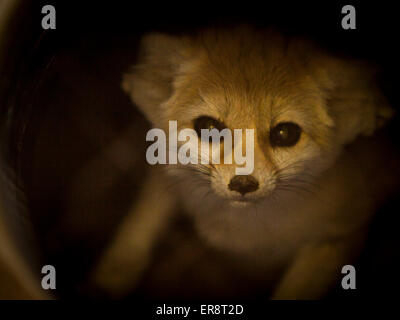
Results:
<point x="307" y="202"/>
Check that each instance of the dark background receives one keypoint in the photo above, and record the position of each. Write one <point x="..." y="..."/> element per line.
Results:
<point x="63" y="95"/>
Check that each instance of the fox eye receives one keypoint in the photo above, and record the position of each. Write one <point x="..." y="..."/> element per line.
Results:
<point x="284" y="134"/>
<point x="205" y="122"/>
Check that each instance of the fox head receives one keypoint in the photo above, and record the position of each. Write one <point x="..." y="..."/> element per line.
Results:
<point x="303" y="104"/>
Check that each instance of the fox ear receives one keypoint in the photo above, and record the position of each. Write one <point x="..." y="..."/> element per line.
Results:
<point x="354" y="101"/>
<point x="150" y="82"/>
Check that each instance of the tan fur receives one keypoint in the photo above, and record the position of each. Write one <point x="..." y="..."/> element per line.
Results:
<point x="255" y="79"/>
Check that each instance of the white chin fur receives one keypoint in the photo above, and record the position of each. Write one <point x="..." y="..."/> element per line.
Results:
<point x="239" y="204"/>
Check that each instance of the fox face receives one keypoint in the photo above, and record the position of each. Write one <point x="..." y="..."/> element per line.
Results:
<point x="303" y="105"/>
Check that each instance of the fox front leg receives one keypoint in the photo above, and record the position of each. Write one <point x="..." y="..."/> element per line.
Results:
<point x="315" y="270"/>
<point x="129" y="253"/>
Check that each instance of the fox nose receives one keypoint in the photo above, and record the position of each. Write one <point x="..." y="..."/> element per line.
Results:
<point x="243" y="184"/>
